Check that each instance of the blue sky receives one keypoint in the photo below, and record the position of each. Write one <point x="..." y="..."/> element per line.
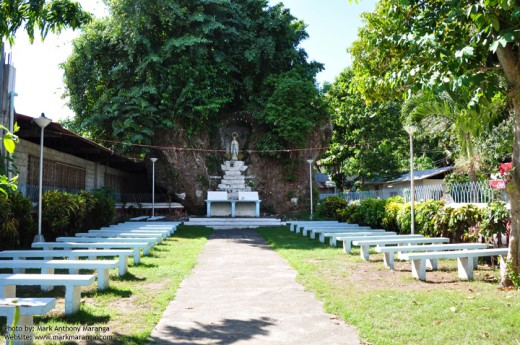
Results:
<point x="331" y="24"/>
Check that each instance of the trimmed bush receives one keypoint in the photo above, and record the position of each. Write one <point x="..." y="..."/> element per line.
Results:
<point x="66" y="214"/>
<point x="17" y="227"/>
<point x="329" y="206"/>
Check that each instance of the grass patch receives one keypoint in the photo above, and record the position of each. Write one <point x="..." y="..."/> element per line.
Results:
<point x="390" y="307"/>
<point x="129" y="310"/>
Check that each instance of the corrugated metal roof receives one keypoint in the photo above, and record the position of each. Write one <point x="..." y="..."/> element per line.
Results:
<point x="422" y="174"/>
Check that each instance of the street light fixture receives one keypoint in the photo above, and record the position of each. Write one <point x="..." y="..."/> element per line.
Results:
<point x="411" y="129"/>
<point x="310" y="161"/>
<point x="42" y="122"/>
<point x="153" y="159"/>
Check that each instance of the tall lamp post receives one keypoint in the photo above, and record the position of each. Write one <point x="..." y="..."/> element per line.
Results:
<point x="153" y="159"/>
<point x="310" y="161"/>
<point x="411" y="129"/>
<point x="42" y="122"/>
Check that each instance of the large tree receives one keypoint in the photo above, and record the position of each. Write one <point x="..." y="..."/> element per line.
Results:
<point x="363" y="145"/>
<point x="410" y="45"/>
<point x="47" y="16"/>
<point x="182" y="64"/>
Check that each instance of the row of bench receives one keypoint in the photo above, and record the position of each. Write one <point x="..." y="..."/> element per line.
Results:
<point x="419" y="250"/>
<point x="120" y="242"/>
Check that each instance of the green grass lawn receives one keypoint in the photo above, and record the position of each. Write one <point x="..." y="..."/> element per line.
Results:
<point x="391" y="307"/>
<point x="128" y="311"/>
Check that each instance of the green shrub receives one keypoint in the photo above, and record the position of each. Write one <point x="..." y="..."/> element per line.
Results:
<point x="424" y="217"/>
<point x="345" y="214"/>
<point x="392" y="208"/>
<point x="16" y="223"/>
<point x="103" y="213"/>
<point x="496" y="220"/>
<point x="329" y="206"/>
<point x="403" y="219"/>
<point x="370" y="212"/>
<point x="66" y="214"/>
<point x="463" y="223"/>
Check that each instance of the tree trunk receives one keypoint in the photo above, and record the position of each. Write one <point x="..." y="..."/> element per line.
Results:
<point x="513" y="189"/>
<point x="508" y="61"/>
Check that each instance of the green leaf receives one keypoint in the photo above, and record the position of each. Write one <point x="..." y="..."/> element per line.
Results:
<point x="9" y="145"/>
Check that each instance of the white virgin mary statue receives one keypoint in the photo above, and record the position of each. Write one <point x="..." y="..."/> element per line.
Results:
<point x="234" y="147"/>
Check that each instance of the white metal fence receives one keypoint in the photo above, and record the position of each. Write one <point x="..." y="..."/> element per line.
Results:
<point x="469" y="192"/>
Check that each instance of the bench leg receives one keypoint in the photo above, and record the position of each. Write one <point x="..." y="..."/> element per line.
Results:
<point x="465" y="268"/>
<point x="389" y="260"/>
<point x="102" y="278"/>
<point x="432" y="264"/>
<point x="72" y="299"/>
<point x="146" y="250"/>
<point x="312" y="235"/>
<point x="47" y="287"/>
<point x="332" y="241"/>
<point x="23" y="330"/>
<point x="137" y="256"/>
<point x="419" y="269"/>
<point x="363" y="251"/>
<point x="322" y="238"/>
<point x="123" y="265"/>
<point x="347" y="247"/>
<point x="8" y="291"/>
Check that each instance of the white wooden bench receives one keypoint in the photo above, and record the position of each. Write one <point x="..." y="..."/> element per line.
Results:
<point x="158" y="237"/>
<point x="334" y="235"/>
<point x="134" y="246"/>
<point x="311" y="231"/>
<point x="114" y="231"/>
<point x="155" y="218"/>
<point x="102" y="267"/>
<point x="389" y="252"/>
<point x="293" y="224"/>
<point x="321" y="232"/>
<point x="121" y="254"/>
<point x="365" y="244"/>
<point x="464" y="260"/>
<point x="138" y="219"/>
<point x="157" y="227"/>
<point x="23" y="330"/>
<point x="148" y="240"/>
<point x="71" y="282"/>
<point x="348" y="240"/>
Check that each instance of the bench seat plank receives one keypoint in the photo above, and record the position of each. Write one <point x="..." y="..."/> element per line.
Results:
<point x="28" y="307"/>
<point x="335" y="235"/>
<point x="149" y="240"/>
<point x="348" y="240"/>
<point x="135" y="247"/>
<point x="71" y="282"/>
<point x="48" y="266"/>
<point x="389" y="251"/>
<point x="121" y="254"/>
<point x="365" y="244"/>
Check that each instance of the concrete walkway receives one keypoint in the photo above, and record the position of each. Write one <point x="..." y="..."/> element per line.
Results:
<point x="243" y="292"/>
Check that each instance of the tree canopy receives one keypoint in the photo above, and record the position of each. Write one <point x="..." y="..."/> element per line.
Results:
<point x="185" y="64"/>
<point x="47" y="16"/>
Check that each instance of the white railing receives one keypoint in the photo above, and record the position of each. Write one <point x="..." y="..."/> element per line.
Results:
<point x="468" y="192"/>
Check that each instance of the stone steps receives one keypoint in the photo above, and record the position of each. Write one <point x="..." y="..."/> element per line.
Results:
<point x="234" y="223"/>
